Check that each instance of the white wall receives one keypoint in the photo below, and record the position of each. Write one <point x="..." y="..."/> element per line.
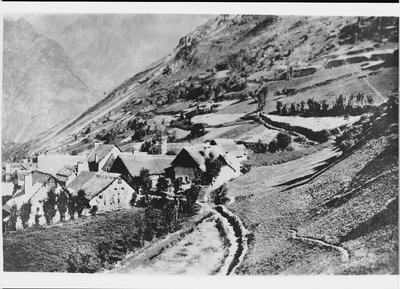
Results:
<point x="116" y="196"/>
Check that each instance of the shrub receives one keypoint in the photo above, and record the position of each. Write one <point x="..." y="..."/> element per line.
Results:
<point x="62" y="204"/>
<point x="322" y="136"/>
<point x="170" y="153"/>
<point x="83" y="261"/>
<point x="49" y="206"/>
<point x="12" y="222"/>
<point x="25" y="213"/>
<point x="273" y="146"/>
<point x="283" y="140"/>
<point x="245" y="168"/>
<point x="260" y="147"/>
<point x="346" y="144"/>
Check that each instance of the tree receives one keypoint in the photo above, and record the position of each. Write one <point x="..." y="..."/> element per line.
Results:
<point x="213" y="167"/>
<point x="279" y="107"/>
<point x="284" y="110"/>
<point x="81" y="202"/>
<point x="325" y="105"/>
<point x="273" y="146"/>
<point x="71" y="205"/>
<point x="197" y="130"/>
<point x="283" y="140"/>
<point x="261" y="96"/>
<point x="145" y="182"/>
<point x="25" y="213"/>
<point x="177" y="185"/>
<point x="293" y="109"/>
<point x="62" y="204"/>
<point x="191" y="195"/>
<point x="12" y="221"/>
<point x="49" y="206"/>
<point x="310" y="103"/>
<point x="162" y="185"/>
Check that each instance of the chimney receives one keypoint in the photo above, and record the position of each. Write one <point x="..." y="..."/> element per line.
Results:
<point x="96" y="144"/>
<point x="28" y="183"/>
<point x="207" y="150"/>
<point x="96" y="158"/>
<point x="8" y="168"/>
<point x="164" y="141"/>
<point x="81" y="167"/>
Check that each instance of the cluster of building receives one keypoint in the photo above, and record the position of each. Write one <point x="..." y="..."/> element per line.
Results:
<point x="107" y="173"/>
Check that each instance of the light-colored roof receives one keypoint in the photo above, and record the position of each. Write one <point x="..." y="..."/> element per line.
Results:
<point x="227" y="144"/>
<point x="93" y="183"/>
<point x="53" y="163"/>
<point x="7" y="188"/>
<point x="156" y="164"/>
<point x="101" y="151"/>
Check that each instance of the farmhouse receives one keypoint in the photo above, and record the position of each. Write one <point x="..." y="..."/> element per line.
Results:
<point x="189" y="164"/>
<point x="130" y="165"/>
<point x="105" y="191"/>
<point x="102" y="157"/>
<point x="36" y="187"/>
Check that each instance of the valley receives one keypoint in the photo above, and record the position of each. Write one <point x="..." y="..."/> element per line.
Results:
<point x="302" y="114"/>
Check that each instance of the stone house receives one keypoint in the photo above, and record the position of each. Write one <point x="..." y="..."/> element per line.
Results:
<point x="102" y="157"/>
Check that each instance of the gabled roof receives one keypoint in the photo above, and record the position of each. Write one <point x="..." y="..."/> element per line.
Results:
<point x="156" y="164"/>
<point x="66" y="171"/>
<point x="93" y="183"/>
<point x="101" y="151"/>
<point x="40" y="177"/>
<point x="198" y="157"/>
<point x="53" y="163"/>
<point x="227" y="144"/>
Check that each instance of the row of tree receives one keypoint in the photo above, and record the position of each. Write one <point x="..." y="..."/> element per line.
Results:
<point x="340" y="106"/>
<point x="62" y="203"/>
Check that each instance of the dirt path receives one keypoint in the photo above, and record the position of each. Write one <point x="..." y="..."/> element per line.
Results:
<point x="384" y="99"/>
<point x="201" y="251"/>
<point x="343" y="251"/>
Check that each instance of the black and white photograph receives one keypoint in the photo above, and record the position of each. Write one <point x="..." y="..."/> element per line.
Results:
<point x="200" y="144"/>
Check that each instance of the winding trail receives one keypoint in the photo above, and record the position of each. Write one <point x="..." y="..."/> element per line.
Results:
<point x="200" y="250"/>
<point x="384" y="99"/>
<point x="343" y="251"/>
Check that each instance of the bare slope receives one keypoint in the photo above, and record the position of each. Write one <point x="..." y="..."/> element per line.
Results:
<point x="40" y="88"/>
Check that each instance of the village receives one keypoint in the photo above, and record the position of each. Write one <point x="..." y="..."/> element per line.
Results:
<point x="54" y="188"/>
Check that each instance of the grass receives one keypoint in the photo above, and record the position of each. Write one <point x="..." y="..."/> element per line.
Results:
<point x="279" y="157"/>
<point x="46" y="250"/>
<point x="270" y="212"/>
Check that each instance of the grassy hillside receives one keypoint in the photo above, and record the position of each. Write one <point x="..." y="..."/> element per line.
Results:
<point x="335" y="219"/>
<point x="229" y="58"/>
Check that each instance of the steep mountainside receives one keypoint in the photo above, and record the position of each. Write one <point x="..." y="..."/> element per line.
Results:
<point x="108" y="48"/>
<point x="234" y="55"/>
<point x="40" y="88"/>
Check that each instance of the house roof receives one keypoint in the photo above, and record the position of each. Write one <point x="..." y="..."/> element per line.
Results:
<point x="101" y="151"/>
<point x="65" y="172"/>
<point x="40" y="177"/>
<point x="53" y="163"/>
<point x="198" y="156"/>
<point x="93" y="183"/>
<point x="227" y="144"/>
<point x="156" y="164"/>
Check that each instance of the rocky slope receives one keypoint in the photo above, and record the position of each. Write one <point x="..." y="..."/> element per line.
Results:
<point x="40" y="87"/>
<point x="108" y="48"/>
<point x="234" y="55"/>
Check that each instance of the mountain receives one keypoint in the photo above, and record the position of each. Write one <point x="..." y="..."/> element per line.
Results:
<point x="233" y="56"/>
<point x="108" y="48"/>
<point x="40" y="86"/>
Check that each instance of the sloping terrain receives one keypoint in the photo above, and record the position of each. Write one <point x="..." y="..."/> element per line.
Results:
<point x="40" y="87"/>
<point x="231" y="57"/>
<point x="340" y="219"/>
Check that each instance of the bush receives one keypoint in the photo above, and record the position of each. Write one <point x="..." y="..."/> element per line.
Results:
<point x="346" y="144"/>
<point x="323" y="136"/>
<point x="260" y="147"/>
<point x="245" y="168"/>
<point x="273" y="146"/>
<point x="283" y="140"/>
<point x="83" y="261"/>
